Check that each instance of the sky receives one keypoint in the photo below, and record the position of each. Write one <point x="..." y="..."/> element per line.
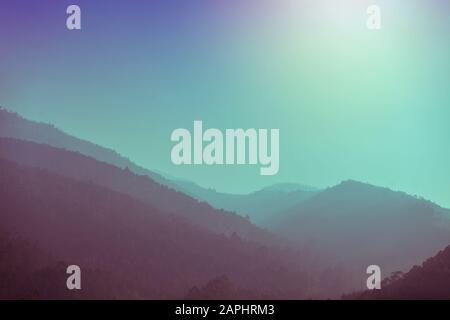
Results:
<point x="350" y="103"/>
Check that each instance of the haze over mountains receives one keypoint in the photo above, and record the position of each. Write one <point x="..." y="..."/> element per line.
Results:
<point x="14" y="126"/>
<point x="258" y="205"/>
<point x="355" y="225"/>
<point x="300" y="241"/>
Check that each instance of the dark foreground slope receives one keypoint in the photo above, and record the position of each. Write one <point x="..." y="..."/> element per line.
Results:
<point x="137" y="251"/>
<point x="27" y="272"/>
<point x="429" y="281"/>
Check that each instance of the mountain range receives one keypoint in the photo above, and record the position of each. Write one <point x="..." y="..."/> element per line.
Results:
<point x="299" y="241"/>
<point x="258" y="206"/>
<point x="84" y="168"/>
<point x="354" y="225"/>
<point x="141" y="252"/>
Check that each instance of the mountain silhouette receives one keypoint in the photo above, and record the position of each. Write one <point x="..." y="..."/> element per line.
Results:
<point x="30" y="273"/>
<point x="354" y="225"/>
<point x="333" y="234"/>
<point x="13" y="125"/>
<point x="259" y="206"/>
<point x="431" y="280"/>
<point x="137" y="251"/>
<point x="84" y="168"/>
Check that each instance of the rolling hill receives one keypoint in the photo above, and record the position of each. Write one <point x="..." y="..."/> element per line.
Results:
<point x="354" y="225"/>
<point x="87" y="169"/>
<point x="430" y="281"/>
<point x="339" y="231"/>
<point x="129" y="250"/>
<point x="259" y="206"/>
<point x="13" y="125"/>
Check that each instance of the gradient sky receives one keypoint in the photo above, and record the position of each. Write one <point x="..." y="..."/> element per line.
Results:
<point x="350" y="103"/>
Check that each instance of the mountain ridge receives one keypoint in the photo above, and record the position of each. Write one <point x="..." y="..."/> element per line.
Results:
<point x="430" y="280"/>
<point x="84" y="168"/>
<point x="128" y="249"/>
<point x="13" y="125"/>
<point x="355" y="225"/>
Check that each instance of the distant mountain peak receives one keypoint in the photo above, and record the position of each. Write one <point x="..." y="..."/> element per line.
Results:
<point x="351" y="185"/>
<point x="355" y="183"/>
<point x="289" y="187"/>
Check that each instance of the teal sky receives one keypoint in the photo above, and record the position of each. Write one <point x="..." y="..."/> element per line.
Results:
<point x="350" y="103"/>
